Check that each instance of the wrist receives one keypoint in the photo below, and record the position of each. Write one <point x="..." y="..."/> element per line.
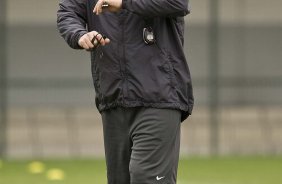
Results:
<point x="77" y="38"/>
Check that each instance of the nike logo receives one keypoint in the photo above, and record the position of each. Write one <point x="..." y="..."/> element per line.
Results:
<point x="159" y="178"/>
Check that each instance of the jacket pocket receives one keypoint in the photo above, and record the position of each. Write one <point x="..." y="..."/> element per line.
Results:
<point x="167" y="66"/>
<point x="178" y="25"/>
<point x="151" y="75"/>
<point x="95" y="75"/>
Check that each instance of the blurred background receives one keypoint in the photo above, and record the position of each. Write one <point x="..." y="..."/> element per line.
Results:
<point x="50" y="129"/>
<point x="233" y="48"/>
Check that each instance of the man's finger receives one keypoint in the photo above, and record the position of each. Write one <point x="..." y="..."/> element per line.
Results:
<point x="95" y="42"/>
<point x="107" y="40"/>
<point x="82" y="42"/>
<point x="88" y="43"/>
<point x="100" y="39"/>
<point x="96" y="8"/>
<point x="84" y="45"/>
<point x="93" y="39"/>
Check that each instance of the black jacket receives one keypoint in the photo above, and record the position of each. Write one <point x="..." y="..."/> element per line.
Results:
<point x="127" y="72"/>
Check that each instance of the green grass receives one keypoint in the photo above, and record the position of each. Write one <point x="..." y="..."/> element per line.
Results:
<point x="226" y="170"/>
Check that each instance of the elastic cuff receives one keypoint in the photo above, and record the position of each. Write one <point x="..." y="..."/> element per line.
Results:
<point x="76" y="39"/>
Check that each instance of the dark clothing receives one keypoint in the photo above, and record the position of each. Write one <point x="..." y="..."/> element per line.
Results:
<point x="141" y="145"/>
<point x="127" y="72"/>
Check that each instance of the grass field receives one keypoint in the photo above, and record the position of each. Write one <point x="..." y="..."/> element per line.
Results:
<point x="226" y="170"/>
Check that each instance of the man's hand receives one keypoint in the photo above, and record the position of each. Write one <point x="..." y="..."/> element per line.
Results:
<point x="86" y="40"/>
<point x="113" y="6"/>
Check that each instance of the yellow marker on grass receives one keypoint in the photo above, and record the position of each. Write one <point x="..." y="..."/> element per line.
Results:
<point x="36" y="167"/>
<point x="55" y="175"/>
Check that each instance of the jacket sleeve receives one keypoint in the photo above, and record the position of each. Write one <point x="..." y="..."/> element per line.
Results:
<point x="71" y="21"/>
<point x="157" y="8"/>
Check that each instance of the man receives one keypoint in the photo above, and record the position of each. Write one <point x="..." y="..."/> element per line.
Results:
<point x="141" y="78"/>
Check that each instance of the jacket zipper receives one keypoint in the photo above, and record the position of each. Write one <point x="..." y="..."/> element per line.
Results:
<point x="122" y="58"/>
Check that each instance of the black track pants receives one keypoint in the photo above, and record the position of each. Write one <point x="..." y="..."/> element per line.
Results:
<point x="141" y="145"/>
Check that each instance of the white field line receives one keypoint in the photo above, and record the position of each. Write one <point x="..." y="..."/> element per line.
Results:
<point x="197" y="182"/>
